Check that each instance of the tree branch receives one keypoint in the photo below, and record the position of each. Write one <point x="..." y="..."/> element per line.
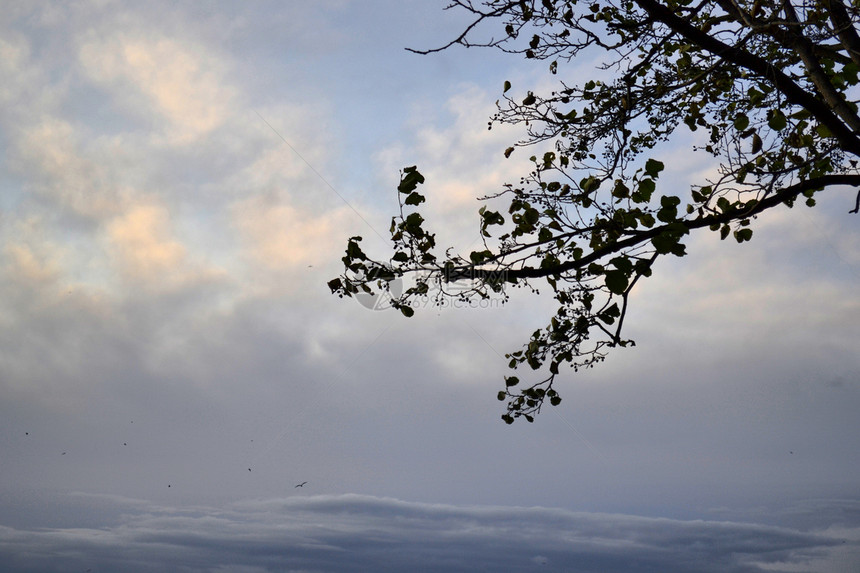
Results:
<point x="844" y="29"/>
<point x="803" y="47"/>
<point x="795" y="94"/>
<point x="461" y="39"/>
<point x="782" y="196"/>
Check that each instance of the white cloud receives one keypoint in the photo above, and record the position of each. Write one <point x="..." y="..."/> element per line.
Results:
<point x="175" y="79"/>
<point x="116" y="231"/>
<point x="50" y="153"/>
<point x="281" y="236"/>
<point x="146" y="252"/>
<point x="14" y="60"/>
<point x="28" y="267"/>
<point x="151" y="203"/>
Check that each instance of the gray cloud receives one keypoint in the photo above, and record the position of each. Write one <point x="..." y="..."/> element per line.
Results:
<point x="363" y="533"/>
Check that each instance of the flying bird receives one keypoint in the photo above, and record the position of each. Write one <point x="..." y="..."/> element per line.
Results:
<point x="302" y="484"/>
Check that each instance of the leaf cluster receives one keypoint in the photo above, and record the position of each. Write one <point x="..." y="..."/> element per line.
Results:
<point x="768" y="88"/>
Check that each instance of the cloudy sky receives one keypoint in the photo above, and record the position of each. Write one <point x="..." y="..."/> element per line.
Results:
<point x="178" y="183"/>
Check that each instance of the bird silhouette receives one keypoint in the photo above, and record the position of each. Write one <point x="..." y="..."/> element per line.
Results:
<point x="302" y="484"/>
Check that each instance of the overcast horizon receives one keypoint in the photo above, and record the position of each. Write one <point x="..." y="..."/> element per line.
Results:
<point x="179" y="182"/>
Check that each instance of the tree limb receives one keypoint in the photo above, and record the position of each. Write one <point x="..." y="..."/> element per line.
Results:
<point x="777" y="198"/>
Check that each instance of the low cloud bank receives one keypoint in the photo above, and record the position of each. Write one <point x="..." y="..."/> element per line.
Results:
<point x="363" y="533"/>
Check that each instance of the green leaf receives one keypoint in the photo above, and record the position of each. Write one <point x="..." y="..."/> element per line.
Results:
<point x="647" y="219"/>
<point x="669" y="201"/>
<point x="622" y="264"/>
<point x="491" y="217"/>
<point x="589" y="184"/>
<point x="653" y="168"/>
<point x="742" y="235"/>
<point x="610" y="314"/>
<point x="664" y="243"/>
<point x="777" y="120"/>
<point x="741" y="122"/>
<point x="755" y="96"/>
<point x="850" y="72"/>
<point x="407" y="310"/>
<point x="756" y="143"/>
<point x="646" y="188"/>
<point x="511" y="381"/>
<point x="353" y="251"/>
<point x="478" y="257"/>
<point x="414" y="198"/>
<point x="616" y="281"/>
<point x="507" y="86"/>
<point x="621" y="191"/>
<point x="410" y="180"/>
<point x="669" y="208"/>
<point x="413" y="221"/>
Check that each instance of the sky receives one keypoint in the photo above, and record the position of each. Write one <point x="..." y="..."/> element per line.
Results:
<point x="178" y="183"/>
